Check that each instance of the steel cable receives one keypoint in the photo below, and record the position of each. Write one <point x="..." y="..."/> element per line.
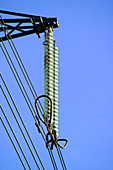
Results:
<point x="19" y="60"/>
<point x="19" y="127"/>
<point x="50" y="152"/>
<point x="22" y="121"/>
<point x="13" y="143"/>
<point x="15" y="137"/>
<point x="34" y="111"/>
<point x="61" y="158"/>
<point x="17" y="74"/>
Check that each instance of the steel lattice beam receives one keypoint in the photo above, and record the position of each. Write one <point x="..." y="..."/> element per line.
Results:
<point x="35" y="24"/>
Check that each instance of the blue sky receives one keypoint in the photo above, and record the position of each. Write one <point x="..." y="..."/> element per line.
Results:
<point x="85" y="41"/>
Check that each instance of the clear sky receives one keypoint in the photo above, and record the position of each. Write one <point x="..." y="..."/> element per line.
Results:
<point x="85" y="41"/>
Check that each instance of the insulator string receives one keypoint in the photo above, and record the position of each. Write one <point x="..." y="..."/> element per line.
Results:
<point x="51" y="79"/>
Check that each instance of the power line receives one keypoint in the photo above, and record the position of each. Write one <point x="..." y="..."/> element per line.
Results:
<point x="15" y="137"/>
<point x="50" y="152"/>
<point x="15" y="77"/>
<point x="61" y="158"/>
<point x="22" y="121"/>
<point x="17" y="73"/>
<point x="19" y="61"/>
<point x="13" y="143"/>
<point x="13" y="47"/>
<point x="19" y="127"/>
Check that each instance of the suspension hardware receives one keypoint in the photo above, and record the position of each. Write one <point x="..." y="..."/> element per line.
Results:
<point x="51" y="132"/>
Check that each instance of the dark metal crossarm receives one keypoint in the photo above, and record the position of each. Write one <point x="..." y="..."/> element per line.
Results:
<point x="36" y="24"/>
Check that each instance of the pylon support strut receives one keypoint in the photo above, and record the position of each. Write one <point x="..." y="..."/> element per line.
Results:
<point x="36" y="24"/>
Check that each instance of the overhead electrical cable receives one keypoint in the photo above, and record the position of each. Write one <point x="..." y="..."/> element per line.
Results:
<point x="16" y="79"/>
<point x="12" y="143"/>
<point x="18" y="58"/>
<point x="22" y="121"/>
<point x="15" y="137"/>
<point x="61" y="158"/>
<point x="19" y="61"/>
<point x="50" y="152"/>
<point x="17" y="74"/>
<point x="19" y="127"/>
<point x="53" y="160"/>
